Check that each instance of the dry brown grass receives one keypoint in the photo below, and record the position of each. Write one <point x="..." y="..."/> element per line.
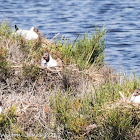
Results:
<point x="31" y="94"/>
<point x="31" y="97"/>
<point x="29" y="88"/>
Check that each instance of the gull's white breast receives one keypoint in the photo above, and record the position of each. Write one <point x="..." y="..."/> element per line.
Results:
<point x="43" y="62"/>
<point x="135" y="99"/>
<point x="52" y="62"/>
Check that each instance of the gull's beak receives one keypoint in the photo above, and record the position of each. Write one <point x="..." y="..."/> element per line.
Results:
<point x="135" y="94"/>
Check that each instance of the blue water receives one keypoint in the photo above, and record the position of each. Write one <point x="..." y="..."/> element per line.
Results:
<point x="69" y="18"/>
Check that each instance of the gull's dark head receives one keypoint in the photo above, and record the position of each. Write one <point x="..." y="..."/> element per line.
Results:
<point x="16" y="28"/>
<point x="0" y="103"/>
<point x="46" y="56"/>
<point x="136" y="92"/>
<point x="35" y="30"/>
<point x="38" y="32"/>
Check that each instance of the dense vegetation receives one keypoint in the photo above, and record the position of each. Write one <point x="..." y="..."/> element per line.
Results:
<point x="84" y="100"/>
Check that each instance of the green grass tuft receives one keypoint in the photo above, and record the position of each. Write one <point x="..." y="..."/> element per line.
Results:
<point x="5" y="29"/>
<point x="104" y="108"/>
<point x="87" y="50"/>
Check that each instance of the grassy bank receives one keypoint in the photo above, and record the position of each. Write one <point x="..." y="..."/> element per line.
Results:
<point x="83" y="100"/>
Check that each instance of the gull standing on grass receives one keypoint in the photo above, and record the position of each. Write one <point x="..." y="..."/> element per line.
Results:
<point x="135" y="96"/>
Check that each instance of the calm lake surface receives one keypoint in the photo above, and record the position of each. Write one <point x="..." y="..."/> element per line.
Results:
<point x="69" y="18"/>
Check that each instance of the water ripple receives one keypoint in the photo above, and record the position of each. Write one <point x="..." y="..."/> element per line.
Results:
<point x="120" y="18"/>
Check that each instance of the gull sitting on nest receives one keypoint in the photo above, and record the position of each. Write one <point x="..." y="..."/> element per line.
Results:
<point x="135" y="96"/>
<point x="27" y="34"/>
<point x="48" y="61"/>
